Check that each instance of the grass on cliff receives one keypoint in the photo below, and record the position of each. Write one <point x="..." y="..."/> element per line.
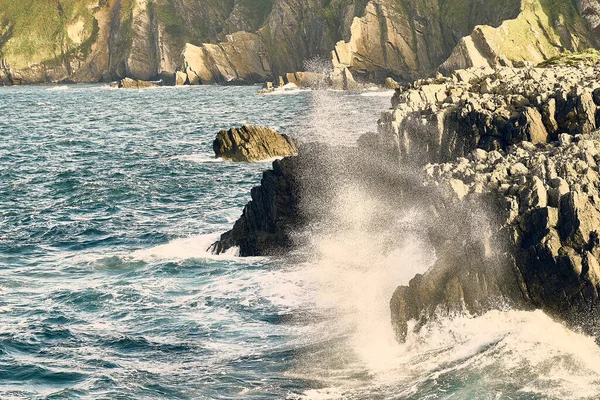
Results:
<point x="572" y="59"/>
<point x="37" y="30"/>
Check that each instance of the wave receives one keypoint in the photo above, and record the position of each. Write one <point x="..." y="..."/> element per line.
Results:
<point x="185" y="248"/>
<point x="57" y="88"/>
<point x="199" y="158"/>
<point x="385" y="93"/>
<point x="501" y="354"/>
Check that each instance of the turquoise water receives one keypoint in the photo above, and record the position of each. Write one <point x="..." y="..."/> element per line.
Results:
<point x="108" y="202"/>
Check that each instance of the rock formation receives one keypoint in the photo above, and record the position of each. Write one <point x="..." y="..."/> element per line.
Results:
<point x="128" y="83"/>
<point x="252" y="41"/>
<point x="253" y="143"/>
<point x="442" y="118"/>
<point x="505" y="163"/>
<point x="268" y="220"/>
<point x="540" y="248"/>
<point x="242" y="59"/>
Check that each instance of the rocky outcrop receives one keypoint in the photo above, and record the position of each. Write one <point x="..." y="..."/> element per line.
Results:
<point x="241" y="59"/>
<point x="534" y="35"/>
<point x="442" y="118"/>
<point x="513" y="189"/>
<point x="291" y="195"/>
<point x="128" y="83"/>
<point x="253" y="143"/>
<point x="512" y="225"/>
<point x="269" y="219"/>
<point x="538" y="248"/>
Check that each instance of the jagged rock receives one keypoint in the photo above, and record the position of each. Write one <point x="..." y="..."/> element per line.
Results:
<point x="239" y="59"/>
<point x="540" y="249"/>
<point x="269" y="218"/>
<point x="128" y="83"/>
<point x="272" y="220"/>
<point x="536" y="131"/>
<point x="253" y="143"/>
<point x="489" y="109"/>
<point x="143" y="39"/>
<point x="342" y="79"/>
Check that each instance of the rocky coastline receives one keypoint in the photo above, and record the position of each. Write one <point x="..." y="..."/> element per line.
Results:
<point x="505" y="163"/>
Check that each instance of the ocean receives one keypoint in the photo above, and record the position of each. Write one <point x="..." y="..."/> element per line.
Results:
<point x="109" y="200"/>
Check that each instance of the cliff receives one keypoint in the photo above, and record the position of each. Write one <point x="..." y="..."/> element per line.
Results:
<point x="248" y="41"/>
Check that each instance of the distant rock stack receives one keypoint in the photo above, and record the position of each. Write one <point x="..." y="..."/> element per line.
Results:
<point x="252" y="143"/>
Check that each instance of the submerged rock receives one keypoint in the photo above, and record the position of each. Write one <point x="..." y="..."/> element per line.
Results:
<point x="253" y="143"/>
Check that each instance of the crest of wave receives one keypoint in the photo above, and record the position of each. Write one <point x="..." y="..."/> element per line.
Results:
<point x="370" y="246"/>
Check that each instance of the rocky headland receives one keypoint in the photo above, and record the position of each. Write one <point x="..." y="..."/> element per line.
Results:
<point x="504" y="161"/>
<point x="249" y="41"/>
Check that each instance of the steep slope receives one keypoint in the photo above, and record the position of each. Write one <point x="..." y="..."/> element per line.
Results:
<point x="543" y="29"/>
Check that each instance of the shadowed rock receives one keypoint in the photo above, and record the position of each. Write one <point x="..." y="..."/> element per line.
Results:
<point x="253" y="143"/>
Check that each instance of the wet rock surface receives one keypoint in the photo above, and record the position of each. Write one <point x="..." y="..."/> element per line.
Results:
<point x="268" y="220"/>
<point x="536" y="214"/>
<point x="505" y="164"/>
<point x="253" y="143"/>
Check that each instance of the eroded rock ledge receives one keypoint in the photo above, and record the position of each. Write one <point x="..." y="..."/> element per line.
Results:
<point x="536" y="215"/>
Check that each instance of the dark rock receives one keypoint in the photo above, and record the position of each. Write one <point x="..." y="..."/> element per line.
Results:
<point x="268" y="220"/>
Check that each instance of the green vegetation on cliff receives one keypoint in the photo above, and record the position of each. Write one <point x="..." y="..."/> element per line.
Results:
<point x="34" y="31"/>
<point x="404" y="39"/>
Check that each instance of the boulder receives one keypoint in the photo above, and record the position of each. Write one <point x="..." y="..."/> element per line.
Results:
<point x="252" y="143"/>
<point x="390" y="83"/>
<point x="128" y="83"/>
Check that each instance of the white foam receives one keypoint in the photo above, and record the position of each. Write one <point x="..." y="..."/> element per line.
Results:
<point x="378" y="93"/>
<point x="199" y="158"/>
<point x="286" y="92"/>
<point x="184" y="248"/>
<point x="57" y="88"/>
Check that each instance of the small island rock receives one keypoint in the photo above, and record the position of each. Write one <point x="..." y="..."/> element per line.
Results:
<point x="253" y="143"/>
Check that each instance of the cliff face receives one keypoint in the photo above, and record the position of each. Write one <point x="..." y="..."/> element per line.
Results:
<point x="256" y="40"/>
<point x="542" y="30"/>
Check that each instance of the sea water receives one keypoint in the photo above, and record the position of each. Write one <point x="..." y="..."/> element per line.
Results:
<point x="109" y="200"/>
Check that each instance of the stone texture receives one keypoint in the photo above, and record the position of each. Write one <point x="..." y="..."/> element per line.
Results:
<point x="442" y="118"/>
<point x="540" y="247"/>
<point x="269" y="218"/>
<point x="253" y="143"/>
